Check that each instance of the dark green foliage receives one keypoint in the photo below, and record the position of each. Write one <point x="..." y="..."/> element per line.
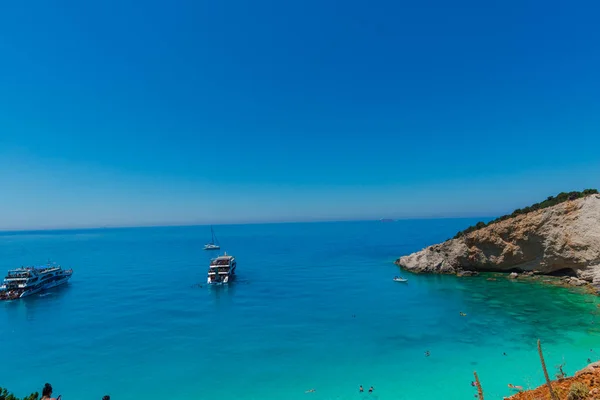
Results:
<point x="4" y="395"/>
<point x="549" y="202"/>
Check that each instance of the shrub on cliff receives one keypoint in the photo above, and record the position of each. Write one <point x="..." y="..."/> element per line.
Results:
<point x="578" y="391"/>
<point x="5" y="395"/>
<point x="549" y="202"/>
<point x="480" y="225"/>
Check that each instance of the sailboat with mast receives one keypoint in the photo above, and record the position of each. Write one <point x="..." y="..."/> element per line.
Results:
<point x="214" y="243"/>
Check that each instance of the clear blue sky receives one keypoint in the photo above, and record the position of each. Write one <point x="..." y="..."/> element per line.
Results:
<point x="116" y="112"/>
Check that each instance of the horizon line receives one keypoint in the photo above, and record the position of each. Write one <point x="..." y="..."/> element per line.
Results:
<point x="182" y="225"/>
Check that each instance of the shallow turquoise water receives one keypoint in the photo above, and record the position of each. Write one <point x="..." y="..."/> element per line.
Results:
<point x="314" y="307"/>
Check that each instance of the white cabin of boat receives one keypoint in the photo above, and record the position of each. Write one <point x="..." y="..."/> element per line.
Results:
<point x="221" y="269"/>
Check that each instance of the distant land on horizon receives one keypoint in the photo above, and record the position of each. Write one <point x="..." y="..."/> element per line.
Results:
<point x="176" y="225"/>
<point x="484" y="220"/>
<point x="386" y="219"/>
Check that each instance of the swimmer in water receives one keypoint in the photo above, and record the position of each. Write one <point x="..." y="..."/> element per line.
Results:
<point x="510" y="385"/>
<point x="462" y="314"/>
<point x="310" y="391"/>
<point x="427" y="353"/>
<point x="371" y="389"/>
<point x="360" y="389"/>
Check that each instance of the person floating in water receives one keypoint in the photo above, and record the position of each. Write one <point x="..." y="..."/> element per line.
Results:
<point x="371" y="389"/>
<point x="510" y="385"/>
<point x="427" y="353"/>
<point x="462" y="314"/>
<point x="107" y="397"/>
<point x="360" y="389"/>
<point x="310" y="391"/>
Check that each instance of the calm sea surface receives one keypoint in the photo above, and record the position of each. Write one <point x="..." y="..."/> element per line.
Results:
<point x="314" y="307"/>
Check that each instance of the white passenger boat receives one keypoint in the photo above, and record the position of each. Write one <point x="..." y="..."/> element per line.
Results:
<point x="25" y="281"/>
<point x="221" y="270"/>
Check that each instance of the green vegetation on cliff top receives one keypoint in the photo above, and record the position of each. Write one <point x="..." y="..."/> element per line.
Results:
<point x="549" y="202"/>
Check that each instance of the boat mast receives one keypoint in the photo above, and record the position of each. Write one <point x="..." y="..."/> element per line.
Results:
<point x="214" y="237"/>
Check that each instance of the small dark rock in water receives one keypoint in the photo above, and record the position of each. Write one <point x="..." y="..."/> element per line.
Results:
<point x="467" y="273"/>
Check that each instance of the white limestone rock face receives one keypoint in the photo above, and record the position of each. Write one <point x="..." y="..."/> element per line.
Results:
<point x="563" y="237"/>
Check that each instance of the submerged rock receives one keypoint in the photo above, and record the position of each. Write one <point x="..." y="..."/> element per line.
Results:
<point x="466" y="273"/>
<point x="561" y="239"/>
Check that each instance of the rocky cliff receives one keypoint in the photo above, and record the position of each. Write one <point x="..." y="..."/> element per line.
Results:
<point x="563" y="239"/>
<point x="584" y="385"/>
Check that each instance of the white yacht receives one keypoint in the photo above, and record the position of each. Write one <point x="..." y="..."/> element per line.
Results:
<point x="221" y="270"/>
<point x="214" y="243"/>
<point x="25" y="281"/>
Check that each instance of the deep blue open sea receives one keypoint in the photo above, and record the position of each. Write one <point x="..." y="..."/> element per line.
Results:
<point x="314" y="307"/>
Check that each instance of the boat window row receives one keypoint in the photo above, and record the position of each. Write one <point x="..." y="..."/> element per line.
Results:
<point x="219" y="262"/>
<point x="219" y="269"/>
<point x="18" y="275"/>
<point x="54" y="279"/>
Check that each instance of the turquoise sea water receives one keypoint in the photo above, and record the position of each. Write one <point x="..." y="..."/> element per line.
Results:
<point x="314" y="306"/>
